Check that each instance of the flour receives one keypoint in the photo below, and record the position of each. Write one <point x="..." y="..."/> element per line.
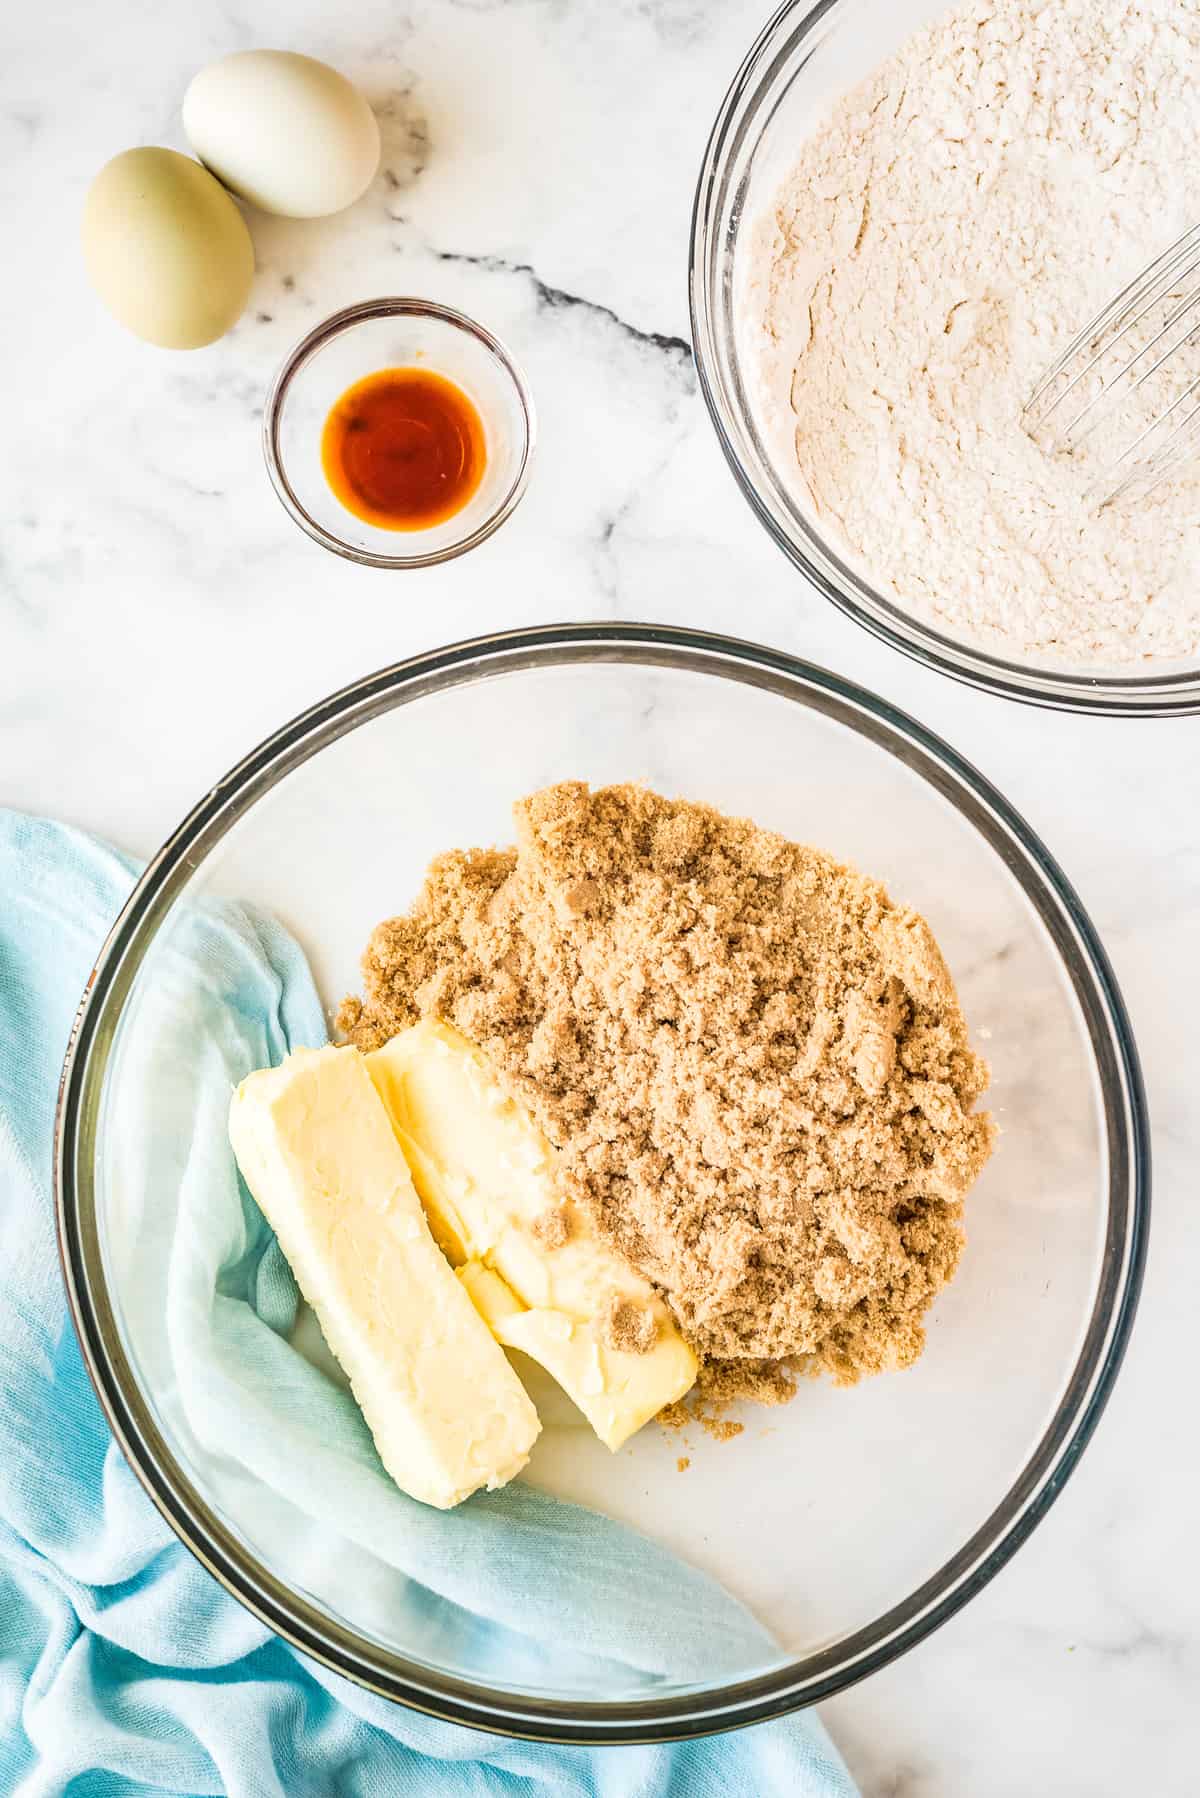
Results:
<point x="957" y="218"/>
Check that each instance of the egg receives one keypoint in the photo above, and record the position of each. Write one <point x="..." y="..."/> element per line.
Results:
<point x="166" y="248"/>
<point x="286" y="133"/>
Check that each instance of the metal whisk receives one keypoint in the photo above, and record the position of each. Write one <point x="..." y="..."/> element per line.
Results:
<point x="1126" y="370"/>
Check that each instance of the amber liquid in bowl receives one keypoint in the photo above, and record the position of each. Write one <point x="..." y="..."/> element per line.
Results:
<point x="404" y="449"/>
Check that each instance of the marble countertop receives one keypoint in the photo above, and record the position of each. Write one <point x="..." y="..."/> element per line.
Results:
<point x="159" y="614"/>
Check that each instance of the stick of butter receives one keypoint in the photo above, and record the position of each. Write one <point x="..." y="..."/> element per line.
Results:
<point x="617" y="1390"/>
<point x="316" y="1149"/>
<point x="486" y="1177"/>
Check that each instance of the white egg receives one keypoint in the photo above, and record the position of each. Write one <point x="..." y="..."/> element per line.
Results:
<point x="286" y="133"/>
<point x="166" y="248"/>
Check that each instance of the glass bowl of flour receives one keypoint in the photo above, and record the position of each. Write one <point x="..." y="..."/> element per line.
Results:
<point x="904" y="213"/>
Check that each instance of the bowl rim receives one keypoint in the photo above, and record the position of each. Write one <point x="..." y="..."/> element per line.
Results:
<point x="778" y="45"/>
<point x="1085" y="964"/>
<point x="392" y="306"/>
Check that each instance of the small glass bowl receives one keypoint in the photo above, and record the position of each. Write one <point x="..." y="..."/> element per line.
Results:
<point x="396" y="333"/>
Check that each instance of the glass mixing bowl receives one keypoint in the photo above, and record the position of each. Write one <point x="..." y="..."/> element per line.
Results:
<point x="852" y="1522"/>
<point x="805" y="57"/>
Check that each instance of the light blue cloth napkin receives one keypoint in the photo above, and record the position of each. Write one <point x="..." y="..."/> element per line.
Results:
<point x="124" y="1668"/>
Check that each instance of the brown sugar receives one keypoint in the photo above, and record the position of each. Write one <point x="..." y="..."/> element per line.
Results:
<point x="752" y="1063"/>
<point x="723" y="1383"/>
<point x="721" y="1429"/>
<point x="552" y="1227"/>
<point x="720" y="1385"/>
<point x="628" y="1327"/>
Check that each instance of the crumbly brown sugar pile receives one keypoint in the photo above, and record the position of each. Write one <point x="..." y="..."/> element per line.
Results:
<point x="753" y="1064"/>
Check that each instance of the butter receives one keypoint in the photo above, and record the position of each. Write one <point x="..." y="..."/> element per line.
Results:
<point x="316" y="1149"/>
<point x="485" y="1174"/>
<point x="617" y="1391"/>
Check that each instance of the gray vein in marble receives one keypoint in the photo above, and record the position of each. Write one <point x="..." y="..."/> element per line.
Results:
<point x="183" y="484"/>
<point x="215" y="387"/>
<point x="25" y="124"/>
<point x="554" y="299"/>
<point x="607" y="558"/>
<point x="406" y="143"/>
<point x="678" y="23"/>
<point x="14" y="600"/>
<point x="990" y="959"/>
<point x="1133" y="1637"/>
